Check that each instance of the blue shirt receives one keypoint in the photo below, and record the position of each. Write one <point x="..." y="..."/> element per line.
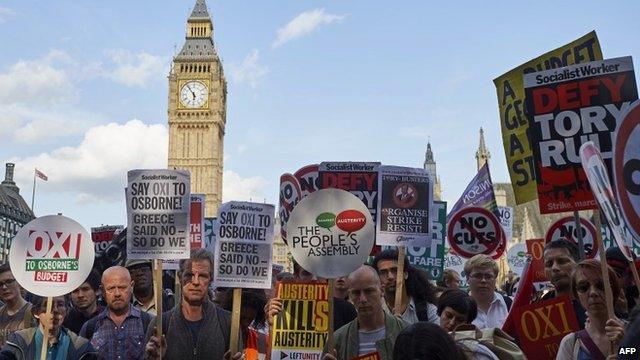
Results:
<point x="126" y="341"/>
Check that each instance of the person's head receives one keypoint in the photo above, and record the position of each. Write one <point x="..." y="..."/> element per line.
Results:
<point x="365" y="291"/>
<point x="425" y="340"/>
<point x="300" y="273"/>
<point x="341" y="285"/>
<point x="588" y="287"/>
<point x="251" y="308"/>
<point x="141" y="274"/>
<point x="86" y="295"/>
<point x="196" y="274"/>
<point x="450" y="279"/>
<point x="9" y="287"/>
<point x="386" y="264"/>
<point x="58" y="308"/>
<point x="481" y="272"/>
<point x="456" y="307"/>
<point x="619" y="263"/>
<point x="560" y="258"/>
<point x="117" y="288"/>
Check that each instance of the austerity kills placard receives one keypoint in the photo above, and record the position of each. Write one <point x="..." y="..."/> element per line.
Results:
<point x="158" y="204"/>
<point x="473" y="231"/>
<point x="565" y="229"/>
<point x="300" y="330"/>
<point x="244" y="240"/>
<point x="568" y="107"/>
<point x="403" y="216"/>
<point x="514" y="119"/>
<point x="359" y="178"/>
<point x="431" y="258"/>
<point x="51" y="255"/>
<point x="330" y="233"/>
<point x="542" y="325"/>
<point x="196" y="223"/>
<point x="102" y="235"/>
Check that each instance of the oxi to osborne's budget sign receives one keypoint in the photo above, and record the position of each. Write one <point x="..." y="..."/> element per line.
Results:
<point x="330" y="233"/>
<point x="51" y="255"/>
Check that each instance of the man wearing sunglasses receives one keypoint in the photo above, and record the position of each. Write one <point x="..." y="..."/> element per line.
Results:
<point x="15" y="314"/>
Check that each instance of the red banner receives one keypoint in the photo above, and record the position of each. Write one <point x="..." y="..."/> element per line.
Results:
<point x="535" y="248"/>
<point x="196" y="216"/>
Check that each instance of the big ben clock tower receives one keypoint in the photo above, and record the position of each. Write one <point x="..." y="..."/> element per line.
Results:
<point x="198" y="109"/>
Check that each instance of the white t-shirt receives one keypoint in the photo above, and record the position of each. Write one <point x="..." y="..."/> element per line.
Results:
<point x="495" y="316"/>
<point x="367" y="340"/>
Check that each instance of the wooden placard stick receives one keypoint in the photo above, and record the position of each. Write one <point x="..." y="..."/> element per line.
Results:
<point x="45" y="331"/>
<point x="331" y="319"/>
<point x="399" y="281"/>
<point x="157" y="289"/>
<point x="578" y="227"/>
<point x="608" y="293"/>
<point x="235" y="320"/>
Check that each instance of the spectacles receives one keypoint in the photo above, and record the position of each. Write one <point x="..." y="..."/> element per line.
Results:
<point x="480" y="276"/>
<point x="583" y="287"/>
<point x="7" y="283"/>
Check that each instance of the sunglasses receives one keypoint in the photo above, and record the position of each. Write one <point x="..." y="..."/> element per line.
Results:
<point x="584" y="286"/>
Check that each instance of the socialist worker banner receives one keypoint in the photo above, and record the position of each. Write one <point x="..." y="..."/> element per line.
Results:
<point x="513" y="119"/>
<point x="300" y="330"/>
<point x="568" y="107"/>
<point x="542" y="325"/>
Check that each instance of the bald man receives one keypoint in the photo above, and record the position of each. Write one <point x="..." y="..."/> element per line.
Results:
<point x="373" y="330"/>
<point x="119" y="331"/>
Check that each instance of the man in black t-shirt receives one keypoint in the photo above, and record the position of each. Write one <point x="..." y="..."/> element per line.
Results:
<point x="84" y="303"/>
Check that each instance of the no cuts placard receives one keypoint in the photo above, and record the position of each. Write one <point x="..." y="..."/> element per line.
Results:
<point x="158" y="204"/>
<point x="51" y="255"/>
<point x="565" y="229"/>
<point x="244" y="239"/>
<point x="473" y="231"/>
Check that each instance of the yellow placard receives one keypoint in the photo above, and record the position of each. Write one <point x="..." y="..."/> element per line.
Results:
<point x="514" y="121"/>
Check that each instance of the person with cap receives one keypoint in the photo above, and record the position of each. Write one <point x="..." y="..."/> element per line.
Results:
<point x="84" y="303"/>
<point x="143" y="293"/>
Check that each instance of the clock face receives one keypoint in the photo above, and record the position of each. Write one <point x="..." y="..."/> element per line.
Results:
<point x="193" y="94"/>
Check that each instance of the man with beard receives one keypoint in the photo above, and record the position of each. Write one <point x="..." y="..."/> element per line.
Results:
<point x="85" y="303"/>
<point x="119" y="331"/>
<point x="196" y="328"/>
<point x="493" y="308"/>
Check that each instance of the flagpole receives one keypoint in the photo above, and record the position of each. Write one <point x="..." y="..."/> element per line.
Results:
<point x="33" y="193"/>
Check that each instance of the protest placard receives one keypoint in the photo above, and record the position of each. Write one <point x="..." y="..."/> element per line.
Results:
<point x="301" y="329"/>
<point x="403" y="215"/>
<point x="568" y="107"/>
<point x="51" y="255"/>
<point x="158" y="207"/>
<point x="196" y="223"/>
<point x="626" y="163"/>
<point x="293" y="187"/>
<point x="565" y="229"/>
<point x="513" y="117"/>
<point x="456" y="262"/>
<point x="517" y="258"/>
<point x="244" y="240"/>
<point x="210" y="234"/>
<point x="330" y="233"/>
<point x="535" y="248"/>
<point x="102" y="235"/>
<point x="431" y="258"/>
<point x="542" y="325"/>
<point x="479" y="193"/>
<point x="359" y="178"/>
<point x="371" y="356"/>
<point x="474" y="230"/>
<point x="505" y="215"/>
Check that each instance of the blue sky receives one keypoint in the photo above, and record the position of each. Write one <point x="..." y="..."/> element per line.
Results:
<point x="83" y="87"/>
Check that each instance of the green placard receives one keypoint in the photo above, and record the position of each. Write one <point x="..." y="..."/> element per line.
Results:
<point x="431" y="258"/>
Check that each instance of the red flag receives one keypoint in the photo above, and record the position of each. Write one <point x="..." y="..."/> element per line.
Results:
<point x="523" y="297"/>
<point x="41" y="175"/>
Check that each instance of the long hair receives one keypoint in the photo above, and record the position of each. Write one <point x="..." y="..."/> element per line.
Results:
<point x="424" y="340"/>
<point x="417" y="284"/>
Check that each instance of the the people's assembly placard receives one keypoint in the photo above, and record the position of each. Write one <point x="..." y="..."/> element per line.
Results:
<point x="244" y="240"/>
<point x="51" y="255"/>
<point x="158" y="203"/>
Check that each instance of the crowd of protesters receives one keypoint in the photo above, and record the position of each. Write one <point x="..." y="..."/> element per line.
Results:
<point x="112" y="314"/>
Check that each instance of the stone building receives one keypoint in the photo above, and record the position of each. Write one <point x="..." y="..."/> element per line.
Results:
<point x="198" y="109"/>
<point x="14" y="211"/>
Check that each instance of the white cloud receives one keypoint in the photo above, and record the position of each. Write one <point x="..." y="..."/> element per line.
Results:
<point x="304" y="24"/>
<point x="43" y="81"/>
<point x="250" y="71"/>
<point x="127" y="68"/>
<point x="96" y="169"/>
<point x="235" y="187"/>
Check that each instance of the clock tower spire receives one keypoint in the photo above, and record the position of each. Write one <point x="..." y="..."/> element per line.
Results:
<point x="198" y="109"/>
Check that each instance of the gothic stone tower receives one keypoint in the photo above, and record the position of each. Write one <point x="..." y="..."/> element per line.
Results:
<point x="430" y="165"/>
<point x="198" y="109"/>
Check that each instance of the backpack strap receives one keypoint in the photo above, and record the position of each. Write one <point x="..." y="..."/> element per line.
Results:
<point x="422" y="311"/>
<point x="91" y="328"/>
<point x="507" y="300"/>
<point x="593" y="349"/>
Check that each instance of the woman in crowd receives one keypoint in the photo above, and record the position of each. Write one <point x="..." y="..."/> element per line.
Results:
<point x="601" y="335"/>
<point x="456" y="307"/>
<point x="424" y="340"/>
<point x="252" y="321"/>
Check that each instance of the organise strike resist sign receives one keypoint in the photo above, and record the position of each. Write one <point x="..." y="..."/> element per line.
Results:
<point x="473" y="231"/>
<point x="158" y="204"/>
<point x="51" y="255"/>
<point x="570" y="106"/>
<point x="244" y="238"/>
<point x="330" y="233"/>
<point x="300" y="330"/>
<point x="406" y="197"/>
